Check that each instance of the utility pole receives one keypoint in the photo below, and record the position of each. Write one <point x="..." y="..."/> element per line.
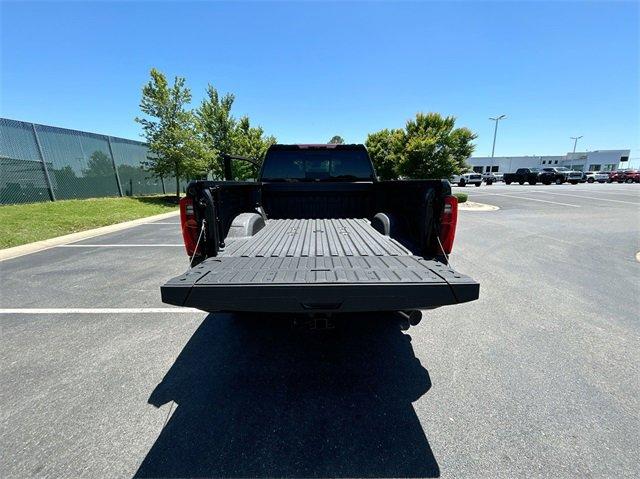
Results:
<point x="575" y="141"/>
<point x="495" y="133"/>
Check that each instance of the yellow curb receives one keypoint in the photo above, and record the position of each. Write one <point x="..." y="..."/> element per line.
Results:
<point x="29" y="248"/>
<point x="473" y="206"/>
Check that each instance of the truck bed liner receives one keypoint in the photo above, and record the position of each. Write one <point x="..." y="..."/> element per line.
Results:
<point x="318" y="237"/>
<point x="318" y="265"/>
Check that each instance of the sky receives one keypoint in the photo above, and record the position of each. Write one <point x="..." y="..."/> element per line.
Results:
<point x="309" y="70"/>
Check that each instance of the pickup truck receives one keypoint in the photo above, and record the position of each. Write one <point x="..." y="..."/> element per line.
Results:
<point x="559" y="175"/>
<point x="467" y="179"/>
<point x="317" y="233"/>
<point x="522" y="176"/>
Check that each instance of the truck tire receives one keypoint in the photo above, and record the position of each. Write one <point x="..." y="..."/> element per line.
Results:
<point x="462" y="183"/>
<point x="574" y="182"/>
<point x="559" y="181"/>
<point x="478" y="184"/>
<point x="590" y="180"/>
<point x="521" y="182"/>
<point x="532" y="182"/>
<point x="508" y="182"/>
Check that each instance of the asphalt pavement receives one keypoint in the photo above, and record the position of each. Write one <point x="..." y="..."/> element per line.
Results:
<point x="538" y="378"/>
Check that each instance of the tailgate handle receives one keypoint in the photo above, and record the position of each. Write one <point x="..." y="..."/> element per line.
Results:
<point x="321" y="305"/>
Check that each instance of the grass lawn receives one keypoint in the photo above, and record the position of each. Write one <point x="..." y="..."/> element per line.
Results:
<point x="26" y="223"/>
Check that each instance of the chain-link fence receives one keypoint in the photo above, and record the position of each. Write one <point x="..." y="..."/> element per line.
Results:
<point x="44" y="163"/>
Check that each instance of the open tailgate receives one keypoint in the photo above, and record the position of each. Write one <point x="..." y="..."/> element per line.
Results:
<point x="319" y="284"/>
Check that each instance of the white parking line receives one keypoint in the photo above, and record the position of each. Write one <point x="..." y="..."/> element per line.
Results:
<point x="117" y="245"/>
<point x="533" y="199"/>
<point x="590" y="197"/>
<point x="160" y="223"/>
<point x="97" y="310"/>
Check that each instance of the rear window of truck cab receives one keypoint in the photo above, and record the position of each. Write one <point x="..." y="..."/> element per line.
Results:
<point x="317" y="165"/>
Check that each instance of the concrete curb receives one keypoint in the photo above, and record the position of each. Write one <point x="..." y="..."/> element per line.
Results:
<point x="473" y="206"/>
<point x="16" y="251"/>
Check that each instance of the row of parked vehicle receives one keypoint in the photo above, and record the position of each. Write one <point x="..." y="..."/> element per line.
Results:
<point x="547" y="176"/>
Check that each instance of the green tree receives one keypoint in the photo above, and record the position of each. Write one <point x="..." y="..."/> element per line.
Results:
<point x="434" y="148"/>
<point x="429" y="147"/>
<point x="385" y="149"/>
<point x="170" y="130"/>
<point x="250" y="142"/>
<point x="217" y="126"/>
<point x="336" y="140"/>
<point x="223" y="134"/>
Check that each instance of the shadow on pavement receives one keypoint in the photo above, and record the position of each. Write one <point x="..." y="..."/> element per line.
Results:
<point x="258" y="398"/>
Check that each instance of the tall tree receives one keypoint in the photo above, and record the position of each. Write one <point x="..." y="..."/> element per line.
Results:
<point x="385" y="149"/>
<point x="217" y="126"/>
<point x="223" y="134"/>
<point x="336" y="140"/>
<point x="250" y="142"/>
<point x="434" y="148"/>
<point x="170" y="130"/>
<point x="429" y="147"/>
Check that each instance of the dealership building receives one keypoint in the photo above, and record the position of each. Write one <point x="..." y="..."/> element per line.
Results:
<point x="599" y="160"/>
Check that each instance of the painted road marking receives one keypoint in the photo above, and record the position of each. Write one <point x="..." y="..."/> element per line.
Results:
<point x="98" y="310"/>
<point x="606" y="192"/>
<point x="592" y="198"/>
<point x="532" y="199"/>
<point x="160" y="223"/>
<point x="118" y="245"/>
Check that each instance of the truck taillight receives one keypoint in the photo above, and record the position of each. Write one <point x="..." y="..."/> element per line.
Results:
<point x="448" y="223"/>
<point x="189" y="225"/>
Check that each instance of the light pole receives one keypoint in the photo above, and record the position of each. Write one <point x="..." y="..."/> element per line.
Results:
<point x="495" y="133"/>
<point x="575" y="141"/>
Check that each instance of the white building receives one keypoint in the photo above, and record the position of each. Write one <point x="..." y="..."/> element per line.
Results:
<point x="599" y="160"/>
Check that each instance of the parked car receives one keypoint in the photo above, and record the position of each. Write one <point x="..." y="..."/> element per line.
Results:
<point x="631" y="176"/>
<point x="522" y="176"/>
<point x="466" y="179"/>
<point x="593" y="176"/>
<point x="319" y="234"/>
<point x="617" y="176"/>
<point x="602" y="176"/>
<point x="489" y="178"/>
<point x="559" y="175"/>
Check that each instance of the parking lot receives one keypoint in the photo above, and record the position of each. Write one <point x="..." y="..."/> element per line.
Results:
<point x="538" y="378"/>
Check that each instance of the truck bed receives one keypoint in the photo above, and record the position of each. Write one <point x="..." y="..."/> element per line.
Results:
<point x="318" y="265"/>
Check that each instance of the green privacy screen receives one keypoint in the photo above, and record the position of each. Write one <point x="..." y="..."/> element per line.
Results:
<point x="41" y="163"/>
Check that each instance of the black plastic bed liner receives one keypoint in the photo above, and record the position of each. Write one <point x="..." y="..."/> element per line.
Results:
<point x="324" y="265"/>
